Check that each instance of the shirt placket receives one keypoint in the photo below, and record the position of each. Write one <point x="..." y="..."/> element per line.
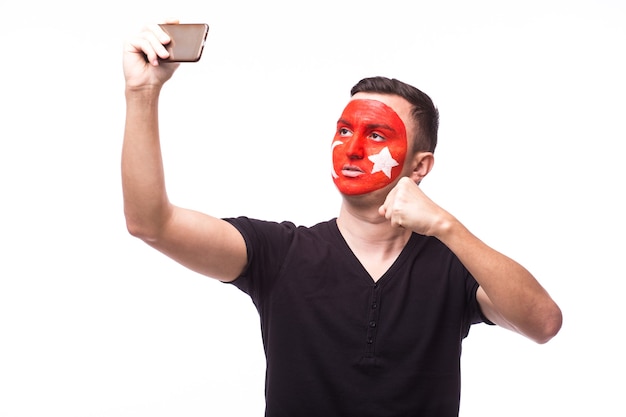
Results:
<point x="373" y="321"/>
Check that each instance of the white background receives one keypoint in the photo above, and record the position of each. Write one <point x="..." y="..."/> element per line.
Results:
<point x="95" y="323"/>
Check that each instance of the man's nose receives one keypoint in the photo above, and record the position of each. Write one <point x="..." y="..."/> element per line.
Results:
<point x="355" y="147"/>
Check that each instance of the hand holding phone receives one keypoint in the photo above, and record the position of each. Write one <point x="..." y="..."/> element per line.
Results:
<point x="187" y="41"/>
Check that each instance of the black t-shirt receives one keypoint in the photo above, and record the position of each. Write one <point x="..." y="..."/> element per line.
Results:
<point x="339" y="344"/>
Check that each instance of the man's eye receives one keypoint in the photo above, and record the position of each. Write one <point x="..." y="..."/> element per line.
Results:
<point x="376" y="137"/>
<point x="344" y="132"/>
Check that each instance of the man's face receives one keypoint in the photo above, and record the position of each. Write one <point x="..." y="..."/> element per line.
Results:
<point x="369" y="147"/>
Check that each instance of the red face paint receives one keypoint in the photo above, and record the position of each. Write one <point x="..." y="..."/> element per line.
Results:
<point x="369" y="147"/>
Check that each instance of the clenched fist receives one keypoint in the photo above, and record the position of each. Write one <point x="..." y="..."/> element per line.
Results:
<point x="407" y="206"/>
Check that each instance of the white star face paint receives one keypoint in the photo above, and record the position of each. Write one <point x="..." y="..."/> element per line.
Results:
<point x="383" y="162"/>
<point x="369" y="147"/>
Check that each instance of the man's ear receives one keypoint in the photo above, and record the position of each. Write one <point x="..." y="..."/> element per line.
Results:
<point x="422" y="164"/>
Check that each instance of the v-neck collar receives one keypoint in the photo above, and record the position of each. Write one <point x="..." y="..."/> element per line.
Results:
<point x="351" y="256"/>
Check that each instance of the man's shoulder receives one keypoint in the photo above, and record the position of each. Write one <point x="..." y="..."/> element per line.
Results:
<point x="288" y="224"/>
<point x="288" y="229"/>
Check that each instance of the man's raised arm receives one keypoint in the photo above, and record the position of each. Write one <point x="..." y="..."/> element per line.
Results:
<point x="202" y="243"/>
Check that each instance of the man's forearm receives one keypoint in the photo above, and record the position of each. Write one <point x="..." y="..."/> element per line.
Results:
<point x="145" y="198"/>
<point x="515" y="295"/>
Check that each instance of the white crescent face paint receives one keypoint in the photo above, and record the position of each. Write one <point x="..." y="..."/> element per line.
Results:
<point x="332" y="148"/>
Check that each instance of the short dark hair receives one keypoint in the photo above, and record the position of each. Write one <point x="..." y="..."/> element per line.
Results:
<point x="424" y="113"/>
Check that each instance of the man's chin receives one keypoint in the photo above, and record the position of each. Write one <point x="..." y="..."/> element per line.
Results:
<point x="358" y="189"/>
<point x="374" y="197"/>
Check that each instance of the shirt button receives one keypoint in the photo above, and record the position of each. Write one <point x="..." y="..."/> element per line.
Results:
<point x="372" y="324"/>
<point x="374" y="306"/>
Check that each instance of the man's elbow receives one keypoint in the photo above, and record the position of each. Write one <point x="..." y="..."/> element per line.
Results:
<point x="141" y="230"/>
<point x="551" y="325"/>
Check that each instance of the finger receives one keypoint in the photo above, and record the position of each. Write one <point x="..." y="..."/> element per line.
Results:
<point x="158" y="33"/>
<point x="142" y="46"/>
<point x="171" y="21"/>
<point x="382" y="210"/>
<point x="386" y="208"/>
<point x="158" y="38"/>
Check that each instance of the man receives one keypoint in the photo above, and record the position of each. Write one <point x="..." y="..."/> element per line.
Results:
<point x="361" y="315"/>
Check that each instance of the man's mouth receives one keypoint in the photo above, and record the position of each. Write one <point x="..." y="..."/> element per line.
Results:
<point x="351" y="171"/>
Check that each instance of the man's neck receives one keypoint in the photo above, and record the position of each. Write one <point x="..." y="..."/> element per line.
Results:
<point x="369" y="227"/>
<point x="371" y="237"/>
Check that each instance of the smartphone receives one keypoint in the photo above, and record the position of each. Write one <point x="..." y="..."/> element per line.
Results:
<point x="187" y="41"/>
